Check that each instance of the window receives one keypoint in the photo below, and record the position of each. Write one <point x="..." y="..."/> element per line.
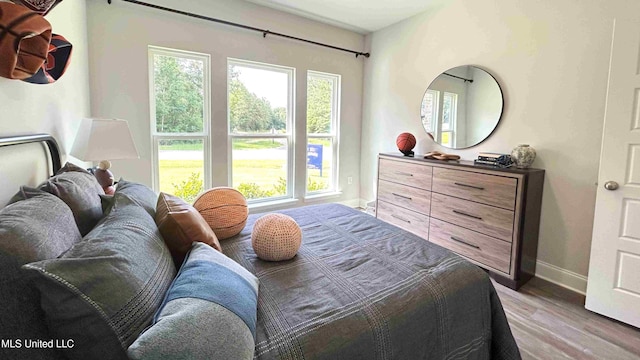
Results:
<point x="429" y="110"/>
<point x="439" y="112"/>
<point x="260" y="110"/>
<point x="323" y="109"/>
<point x="449" y="116"/>
<point x="180" y="118"/>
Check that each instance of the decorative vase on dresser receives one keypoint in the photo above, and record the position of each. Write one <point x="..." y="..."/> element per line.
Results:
<point x="490" y="216"/>
<point x="523" y="155"/>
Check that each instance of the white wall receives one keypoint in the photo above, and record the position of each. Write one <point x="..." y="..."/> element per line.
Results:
<point x="54" y="108"/>
<point x="550" y="57"/>
<point x="120" y="33"/>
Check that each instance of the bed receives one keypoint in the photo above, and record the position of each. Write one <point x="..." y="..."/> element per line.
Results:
<point x="360" y="288"/>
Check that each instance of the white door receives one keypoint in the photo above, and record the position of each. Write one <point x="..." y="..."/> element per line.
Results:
<point x="613" y="287"/>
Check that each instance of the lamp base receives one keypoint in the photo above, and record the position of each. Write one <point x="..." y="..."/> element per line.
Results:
<point x="105" y="177"/>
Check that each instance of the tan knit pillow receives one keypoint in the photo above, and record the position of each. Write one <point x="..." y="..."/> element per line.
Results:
<point x="276" y="237"/>
<point x="225" y="210"/>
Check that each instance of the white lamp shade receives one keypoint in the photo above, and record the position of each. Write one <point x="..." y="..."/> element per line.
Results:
<point x="100" y="139"/>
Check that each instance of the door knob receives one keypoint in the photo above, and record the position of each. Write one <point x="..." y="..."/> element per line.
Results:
<point x="611" y="185"/>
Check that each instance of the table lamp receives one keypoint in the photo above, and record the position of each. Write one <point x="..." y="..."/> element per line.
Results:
<point x="101" y="139"/>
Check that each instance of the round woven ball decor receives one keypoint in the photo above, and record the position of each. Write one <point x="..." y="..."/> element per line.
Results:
<point x="225" y="210"/>
<point x="276" y="237"/>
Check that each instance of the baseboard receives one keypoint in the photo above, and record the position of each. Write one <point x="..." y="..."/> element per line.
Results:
<point x="354" y="203"/>
<point x="562" y="277"/>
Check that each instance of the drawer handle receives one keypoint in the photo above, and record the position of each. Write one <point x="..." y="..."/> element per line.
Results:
<point x="402" y="196"/>
<point x="469" y="186"/>
<point x="403" y="173"/>
<point x="464" y="242"/>
<point x="466" y="214"/>
<point x="400" y="218"/>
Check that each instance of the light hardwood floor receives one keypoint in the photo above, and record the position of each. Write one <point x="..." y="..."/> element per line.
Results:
<point x="550" y="322"/>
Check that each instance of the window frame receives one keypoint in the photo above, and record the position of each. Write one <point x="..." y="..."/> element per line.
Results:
<point x="289" y="136"/>
<point x="336" y="79"/>
<point x="453" y="122"/>
<point x="204" y="136"/>
<point x="435" y="111"/>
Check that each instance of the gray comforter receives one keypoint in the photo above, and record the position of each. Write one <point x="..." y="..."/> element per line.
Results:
<point x="360" y="288"/>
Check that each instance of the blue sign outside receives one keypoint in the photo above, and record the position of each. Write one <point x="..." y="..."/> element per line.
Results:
<point x="314" y="157"/>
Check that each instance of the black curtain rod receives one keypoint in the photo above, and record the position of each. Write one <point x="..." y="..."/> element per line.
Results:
<point x="457" y="77"/>
<point x="263" y="31"/>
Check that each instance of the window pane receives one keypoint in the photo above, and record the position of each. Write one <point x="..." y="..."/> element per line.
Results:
<point x="259" y="167"/>
<point x="429" y="110"/>
<point x="258" y="100"/>
<point x="179" y="94"/>
<point x="449" y="111"/>
<point x="446" y="139"/>
<point x="319" y="164"/>
<point x="319" y="104"/>
<point x="181" y="168"/>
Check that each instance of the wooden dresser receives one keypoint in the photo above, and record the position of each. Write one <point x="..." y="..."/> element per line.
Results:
<point x="490" y="216"/>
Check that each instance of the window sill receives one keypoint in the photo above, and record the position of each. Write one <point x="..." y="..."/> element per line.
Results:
<point x="322" y="196"/>
<point x="272" y="205"/>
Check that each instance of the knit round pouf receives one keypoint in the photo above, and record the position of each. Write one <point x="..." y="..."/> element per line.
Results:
<point x="276" y="237"/>
<point x="225" y="210"/>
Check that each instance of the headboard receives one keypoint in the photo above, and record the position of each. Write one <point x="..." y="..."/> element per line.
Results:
<point x="26" y="160"/>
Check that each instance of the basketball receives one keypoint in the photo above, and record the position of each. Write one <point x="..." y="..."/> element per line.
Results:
<point x="406" y="142"/>
<point x="225" y="210"/>
<point x="24" y="41"/>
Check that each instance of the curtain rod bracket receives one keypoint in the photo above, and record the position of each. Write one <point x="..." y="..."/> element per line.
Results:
<point x="264" y="33"/>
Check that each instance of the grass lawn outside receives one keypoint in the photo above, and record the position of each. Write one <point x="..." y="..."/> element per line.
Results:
<point x="238" y="144"/>
<point x="264" y="173"/>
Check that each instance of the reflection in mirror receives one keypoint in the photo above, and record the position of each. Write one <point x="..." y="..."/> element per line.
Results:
<point x="461" y="107"/>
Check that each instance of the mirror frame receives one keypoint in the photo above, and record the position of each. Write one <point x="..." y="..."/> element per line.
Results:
<point x="499" y="116"/>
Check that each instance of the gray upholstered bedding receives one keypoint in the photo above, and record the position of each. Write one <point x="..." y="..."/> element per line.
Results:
<point x="360" y="288"/>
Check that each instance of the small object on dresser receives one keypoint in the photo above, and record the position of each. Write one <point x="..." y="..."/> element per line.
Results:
<point x="494" y="159"/>
<point x="276" y="237"/>
<point x="523" y="155"/>
<point x="440" y="156"/>
<point x="406" y="142"/>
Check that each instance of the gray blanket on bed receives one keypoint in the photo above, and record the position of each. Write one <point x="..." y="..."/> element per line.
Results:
<point x="360" y="288"/>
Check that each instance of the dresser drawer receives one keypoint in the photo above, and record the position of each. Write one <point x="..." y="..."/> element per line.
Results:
<point x="481" y="248"/>
<point x="405" y="219"/>
<point x="484" y="219"/>
<point x="492" y="190"/>
<point x="405" y="196"/>
<point x="415" y="175"/>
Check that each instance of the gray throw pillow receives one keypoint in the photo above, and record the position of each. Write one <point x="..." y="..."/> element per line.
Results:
<point x="209" y="312"/>
<point x="38" y="228"/>
<point x="103" y="292"/>
<point x="80" y="190"/>
<point x="138" y="193"/>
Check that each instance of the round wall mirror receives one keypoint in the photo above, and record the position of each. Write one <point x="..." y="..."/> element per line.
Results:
<point x="461" y="107"/>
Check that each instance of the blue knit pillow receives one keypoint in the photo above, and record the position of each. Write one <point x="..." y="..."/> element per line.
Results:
<point x="211" y="295"/>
